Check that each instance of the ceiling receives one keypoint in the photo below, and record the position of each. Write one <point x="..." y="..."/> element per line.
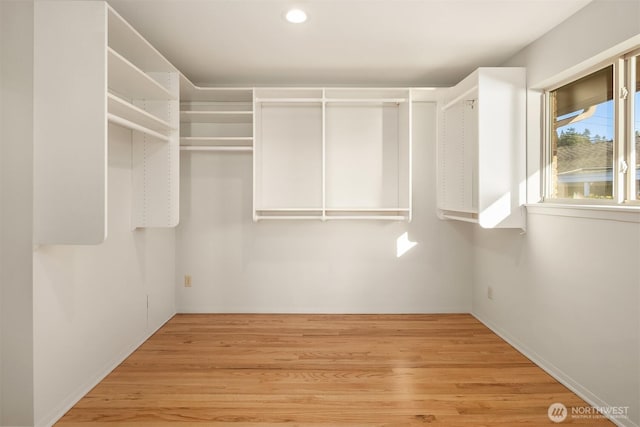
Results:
<point x="344" y="42"/>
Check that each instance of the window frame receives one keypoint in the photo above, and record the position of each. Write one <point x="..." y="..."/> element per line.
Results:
<point x="632" y="59"/>
<point x="623" y="135"/>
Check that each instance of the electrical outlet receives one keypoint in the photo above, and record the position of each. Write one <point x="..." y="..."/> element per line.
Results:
<point x="187" y="281"/>
<point x="490" y="292"/>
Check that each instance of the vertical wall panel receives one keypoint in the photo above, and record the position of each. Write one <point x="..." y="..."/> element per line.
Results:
<point x="70" y="120"/>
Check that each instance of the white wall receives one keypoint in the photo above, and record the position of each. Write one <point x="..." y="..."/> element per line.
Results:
<point x="90" y="302"/>
<point x="310" y="266"/>
<point x="16" y="127"/>
<point x="559" y="295"/>
<point x="567" y="292"/>
<point x="591" y="35"/>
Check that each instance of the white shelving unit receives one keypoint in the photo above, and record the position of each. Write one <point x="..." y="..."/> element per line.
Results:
<point x="318" y="153"/>
<point x="332" y="154"/>
<point x="89" y="60"/>
<point x="481" y="149"/>
<point x="215" y="119"/>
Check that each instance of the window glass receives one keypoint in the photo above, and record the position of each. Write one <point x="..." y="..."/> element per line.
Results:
<point x="582" y="133"/>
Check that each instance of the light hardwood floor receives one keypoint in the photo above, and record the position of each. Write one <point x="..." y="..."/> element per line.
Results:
<point x="325" y="370"/>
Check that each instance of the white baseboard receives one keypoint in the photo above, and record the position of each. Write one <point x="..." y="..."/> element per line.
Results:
<point x="73" y="398"/>
<point x="312" y="310"/>
<point x="554" y="371"/>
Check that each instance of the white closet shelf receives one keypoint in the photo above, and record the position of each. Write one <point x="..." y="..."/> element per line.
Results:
<point x="289" y="210"/>
<point x="220" y="148"/>
<point x="126" y="40"/>
<point x="191" y="93"/>
<point x="365" y="100"/>
<point x="295" y="217"/>
<point x="334" y="218"/>
<point x="332" y="100"/>
<point x="367" y="209"/>
<point x="129" y="81"/>
<point x="289" y="213"/>
<point x="216" y="119"/>
<point x="389" y="214"/>
<point x="213" y="140"/>
<point x="126" y="110"/>
<point x="216" y="116"/>
<point x="288" y="100"/>
<point x="216" y="106"/>
<point x="365" y="217"/>
<point x="135" y="126"/>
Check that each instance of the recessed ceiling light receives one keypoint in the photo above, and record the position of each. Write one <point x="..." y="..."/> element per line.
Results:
<point x="296" y="16"/>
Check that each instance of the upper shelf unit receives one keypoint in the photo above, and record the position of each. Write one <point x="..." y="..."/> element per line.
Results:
<point x="143" y="95"/>
<point x="90" y="60"/>
<point x="140" y="79"/>
<point x="215" y="119"/>
<point x="481" y="149"/>
<point x="332" y="154"/>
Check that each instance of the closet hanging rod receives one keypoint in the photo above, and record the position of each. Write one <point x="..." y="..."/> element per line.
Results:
<point x="333" y="100"/>
<point x="131" y="125"/>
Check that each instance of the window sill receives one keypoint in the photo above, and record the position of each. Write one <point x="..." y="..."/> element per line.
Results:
<point x="627" y="213"/>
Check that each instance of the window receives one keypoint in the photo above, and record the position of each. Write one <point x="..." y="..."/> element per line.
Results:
<point x="593" y="151"/>
<point x="582" y="138"/>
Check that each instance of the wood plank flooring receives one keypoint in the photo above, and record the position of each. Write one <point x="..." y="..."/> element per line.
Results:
<point x="324" y="370"/>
